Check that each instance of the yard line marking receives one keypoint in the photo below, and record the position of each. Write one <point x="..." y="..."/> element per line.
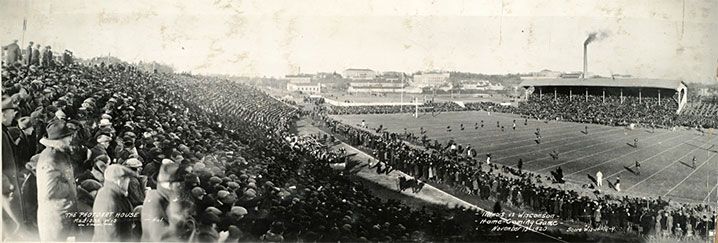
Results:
<point x="503" y="134"/>
<point x="571" y="151"/>
<point x="635" y="151"/>
<point x="533" y="122"/>
<point x="586" y="156"/>
<point x="689" y="175"/>
<point x="661" y="170"/>
<point x="709" y="193"/>
<point x="649" y="158"/>
<point x="551" y="147"/>
<point x="532" y="139"/>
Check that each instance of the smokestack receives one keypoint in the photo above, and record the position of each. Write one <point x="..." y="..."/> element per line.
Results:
<point x="594" y="36"/>
<point x="585" y="61"/>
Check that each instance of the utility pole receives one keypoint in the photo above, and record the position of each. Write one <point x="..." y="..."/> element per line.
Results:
<point x="416" y="112"/>
<point x="402" y="96"/>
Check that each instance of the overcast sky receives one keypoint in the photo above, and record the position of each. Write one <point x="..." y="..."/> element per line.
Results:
<point x="671" y="39"/>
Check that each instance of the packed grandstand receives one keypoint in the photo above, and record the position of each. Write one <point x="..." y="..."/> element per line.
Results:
<point x="182" y="157"/>
<point x="605" y="110"/>
<point x="200" y="156"/>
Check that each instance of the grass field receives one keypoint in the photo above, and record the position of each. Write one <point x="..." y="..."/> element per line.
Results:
<point x="665" y="156"/>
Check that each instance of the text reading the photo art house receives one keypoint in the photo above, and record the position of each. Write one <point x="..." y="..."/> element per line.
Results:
<point x="90" y="219"/>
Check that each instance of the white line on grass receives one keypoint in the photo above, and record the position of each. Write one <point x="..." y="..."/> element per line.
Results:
<point x="635" y="151"/>
<point x="548" y="148"/>
<point x="586" y="156"/>
<point x="503" y="134"/>
<point x="661" y="170"/>
<point x="572" y="150"/>
<point x="709" y="193"/>
<point x="689" y="175"/>
<point x="532" y="139"/>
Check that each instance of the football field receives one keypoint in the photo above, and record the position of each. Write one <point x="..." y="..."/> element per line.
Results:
<point x="665" y="156"/>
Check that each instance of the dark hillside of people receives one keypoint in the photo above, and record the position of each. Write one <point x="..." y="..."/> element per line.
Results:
<point x="177" y="157"/>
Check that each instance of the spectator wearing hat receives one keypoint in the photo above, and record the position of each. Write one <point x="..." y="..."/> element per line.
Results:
<point x="235" y="234"/>
<point x="202" y="200"/>
<point x="67" y="58"/>
<point x="35" y="59"/>
<point x="138" y="182"/>
<point x="103" y="142"/>
<point x="29" y="194"/>
<point x="13" y="210"/>
<point x="207" y="229"/>
<point x="275" y="233"/>
<point x="128" y="147"/>
<point x="13" y="53"/>
<point x="156" y="225"/>
<point x="56" y="191"/>
<point x="97" y="171"/>
<point x="113" y="198"/>
<point x="47" y="60"/>
<point x="233" y="217"/>
<point x="105" y="123"/>
<point x="24" y="139"/>
<point x="28" y="54"/>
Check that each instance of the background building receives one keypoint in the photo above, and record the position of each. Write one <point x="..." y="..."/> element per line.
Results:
<point x="299" y="79"/>
<point x="359" y="74"/>
<point x="543" y="74"/>
<point x="430" y="79"/>
<point x="480" y="85"/>
<point x="311" y="88"/>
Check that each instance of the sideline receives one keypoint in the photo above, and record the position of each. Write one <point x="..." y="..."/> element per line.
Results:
<point x="429" y="193"/>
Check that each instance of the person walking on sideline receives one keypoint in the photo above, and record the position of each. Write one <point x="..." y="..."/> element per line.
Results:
<point x="599" y="179"/>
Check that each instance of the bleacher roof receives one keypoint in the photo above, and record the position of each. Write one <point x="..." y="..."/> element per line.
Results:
<point x="607" y="82"/>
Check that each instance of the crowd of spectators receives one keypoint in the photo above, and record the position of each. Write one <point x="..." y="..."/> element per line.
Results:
<point x="112" y="153"/>
<point x="430" y="107"/>
<point x="461" y="167"/>
<point x="375" y="109"/>
<point x="645" y="111"/>
<point x="700" y="113"/>
<point x="491" y="107"/>
<point x="612" y="112"/>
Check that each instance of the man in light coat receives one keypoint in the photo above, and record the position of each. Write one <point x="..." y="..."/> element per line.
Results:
<point x="56" y="189"/>
<point x="12" y="53"/>
<point x="112" y="208"/>
<point x="155" y="216"/>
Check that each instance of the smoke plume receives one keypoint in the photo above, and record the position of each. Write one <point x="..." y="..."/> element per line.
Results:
<point x="595" y="36"/>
